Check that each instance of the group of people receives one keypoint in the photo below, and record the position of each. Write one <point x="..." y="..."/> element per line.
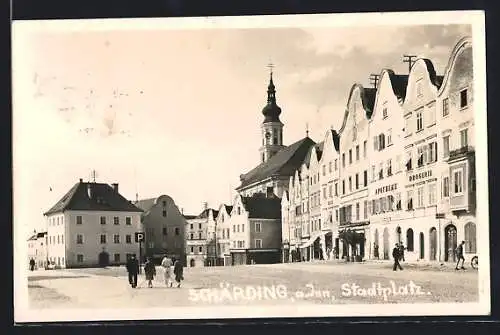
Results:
<point x="172" y="271"/>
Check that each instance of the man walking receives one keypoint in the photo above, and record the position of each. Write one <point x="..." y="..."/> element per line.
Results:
<point x="460" y="255"/>
<point x="396" y="254"/>
<point x="178" y="272"/>
<point x="133" y="270"/>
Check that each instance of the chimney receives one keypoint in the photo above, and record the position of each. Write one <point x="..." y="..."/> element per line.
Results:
<point x="182" y="211"/>
<point x="115" y="187"/>
<point x="205" y="205"/>
<point x="81" y="180"/>
<point x="89" y="190"/>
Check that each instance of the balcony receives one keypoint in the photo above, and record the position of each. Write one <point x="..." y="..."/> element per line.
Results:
<point x="460" y="153"/>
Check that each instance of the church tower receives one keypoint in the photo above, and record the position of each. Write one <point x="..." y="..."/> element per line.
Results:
<point x="271" y="128"/>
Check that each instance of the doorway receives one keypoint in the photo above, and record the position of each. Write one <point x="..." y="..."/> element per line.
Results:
<point x="192" y="263"/>
<point x="422" y="246"/>
<point x="450" y="241"/>
<point x="103" y="259"/>
<point x="386" y="243"/>
<point x="433" y="243"/>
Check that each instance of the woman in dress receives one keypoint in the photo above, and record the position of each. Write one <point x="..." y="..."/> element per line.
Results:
<point x="150" y="271"/>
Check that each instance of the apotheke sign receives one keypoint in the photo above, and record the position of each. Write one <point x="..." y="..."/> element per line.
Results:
<point x="421" y="175"/>
<point x="387" y="188"/>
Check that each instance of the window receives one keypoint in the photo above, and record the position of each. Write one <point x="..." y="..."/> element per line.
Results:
<point x="336" y="189"/>
<point x="350" y="184"/>
<point x="389" y="167"/>
<point x="420" y="120"/>
<point x="192" y="249"/>
<point x="357" y="211"/>
<point x="419" y="88"/>
<point x="323" y="168"/>
<point x="364" y="149"/>
<point x="432" y="115"/>
<point x="324" y="192"/>
<point x="329" y="167"/>
<point x="389" y="137"/>
<point x="128" y="220"/>
<point x="258" y="243"/>
<point x="420" y="196"/>
<point x="117" y="258"/>
<point x="238" y="228"/>
<point x="343" y="186"/>
<point x="407" y="126"/>
<point x="365" y="178"/>
<point x="457" y="181"/>
<point x="116" y="220"/>
<point x="343" y="159"/>
<point x="330" y="193"/>
<point x="420" y="155"/>
<point x="79" y="258"/>
<point x="354" y="134"/>
<point x="384" y="113"/>
<point x="350" y="156"/>
<point x="62" y="239"/>
<point x="191" y="236"/>
<point x="409" y="199"/>
<point x="409" y="240"/>
<point x="177" y="231"/>
<point x="199" y="225"/>
<point x="258" y="227"/>
<point x="365" y="209"/>
<point x="103" y="220"/>
<point x="243" y="228"/>
<point x="446" y="187"/>
<point x="381" y="171"/>
<point x="357" y="153"/>
<point x="432" y="194"/>
<point x="470" y="238"/>
<point x="463" y="138"/>
<point x="79" y="219"/>
<point x="336" y="164"/>
<point x="432" y="153"/>
<point x="103" y="239"/>
<point x="446" y="107"/>
<point x="164" y="213"/>
<point x="199" y="236"/>
<point x="128" y="239"/>
<point x="191" y="226"/>
<point x="200" y="249"/>
<point x="463" y="98"/>
<point x="164" y="231"/>
<point x="446" y="146"/>
<point x="357" y="181"/>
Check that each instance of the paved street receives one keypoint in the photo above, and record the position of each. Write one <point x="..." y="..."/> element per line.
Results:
<point x="311" y="283"/>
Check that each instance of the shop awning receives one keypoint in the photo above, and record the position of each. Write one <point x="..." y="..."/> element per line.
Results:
<point x="313" y="238"/>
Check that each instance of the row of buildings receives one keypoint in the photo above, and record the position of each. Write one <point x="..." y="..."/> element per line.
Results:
<point x="401" y="168"/>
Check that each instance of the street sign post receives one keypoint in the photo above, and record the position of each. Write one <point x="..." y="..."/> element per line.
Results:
<point x="139" y="238"/>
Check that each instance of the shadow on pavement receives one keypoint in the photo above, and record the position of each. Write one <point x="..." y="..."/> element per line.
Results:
<point x="36" y="278"/>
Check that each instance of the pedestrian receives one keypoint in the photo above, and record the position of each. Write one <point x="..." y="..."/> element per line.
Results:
<point x="401" y="251"/>
<point x="149" y="271"/>
<point x="459" y="251"/>
<point x="32" y="264"/>
<point x="166" y="263"/>
<point x="397" y="256"/>
<point x="133" y="270"/>
<point x="178" y="272"/>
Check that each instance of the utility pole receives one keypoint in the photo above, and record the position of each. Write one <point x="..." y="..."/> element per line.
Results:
<point x="374" y="79"/>
<point x="410" y="60"/>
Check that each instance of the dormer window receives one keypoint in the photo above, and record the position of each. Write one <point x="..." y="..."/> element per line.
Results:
<point x="384" y="113"/>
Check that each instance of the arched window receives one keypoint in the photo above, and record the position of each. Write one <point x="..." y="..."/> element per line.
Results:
<point x="409" y="239"/>
<point x="470" y="238"/>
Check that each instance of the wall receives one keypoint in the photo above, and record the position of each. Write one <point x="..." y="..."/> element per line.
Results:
<point x="91" y="229"/>
<point x="270" y="233"/>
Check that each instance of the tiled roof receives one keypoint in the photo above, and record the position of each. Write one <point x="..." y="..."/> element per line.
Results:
<point x="399" y="83"/>
<point x="145" y="204"/>
<point x="319" y="151"/>
<point x="368" y="98"/>
<point x="435" y="79"/>
<point x="104" y="198"/>
<point x="204" y="213"/>
<point x="189" y="217"/>
<point x="259" y="206"/>
<point x="283" y="163"/>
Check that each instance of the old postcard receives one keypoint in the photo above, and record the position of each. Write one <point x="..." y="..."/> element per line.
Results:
<point x="243" y="167"/>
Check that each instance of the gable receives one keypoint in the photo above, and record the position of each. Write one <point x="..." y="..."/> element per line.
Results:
<point x="423" y="85"/>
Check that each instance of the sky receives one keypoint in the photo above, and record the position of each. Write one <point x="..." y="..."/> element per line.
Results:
<point x="178" y="112"/>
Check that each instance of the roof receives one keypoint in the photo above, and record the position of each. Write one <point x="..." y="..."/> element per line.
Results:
<point x="399" y="84"/>
<point x="435" y="79"/>
<point x="189" y="217"/>
<point x="104" y="198"/>
<point x="259" y="206"/>
<point x="319" y="151"/>
<point x="368" y="98"/>
<point x="204" y="213"/>
<point x="32" y="237"/>
<point x="146" y="204"/>
<point x="228" y="208"/>
<point x="41" y="234"/>
<point x="284" y="163"/>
